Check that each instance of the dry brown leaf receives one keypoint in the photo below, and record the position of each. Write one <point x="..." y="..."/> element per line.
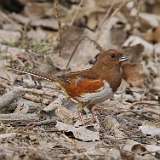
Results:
<point x="156" y="85"/>
<point x="151" y="19"/>
<point x="134" y="53"/>
<point x="149" y="129"/>
<point x="81" y="133"/>
<point x="133" y="74"/>
<point x="153" y="36"/>
<point x="37" y="9"/>
<point x="48" y="23"/>
<point x="135" y="40"/>
<point x="9" y="36"/>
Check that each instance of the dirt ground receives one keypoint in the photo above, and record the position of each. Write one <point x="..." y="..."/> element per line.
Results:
<point x="53" y="37"/>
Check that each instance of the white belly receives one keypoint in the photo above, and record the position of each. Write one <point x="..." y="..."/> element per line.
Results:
<point x="99" y="96"/>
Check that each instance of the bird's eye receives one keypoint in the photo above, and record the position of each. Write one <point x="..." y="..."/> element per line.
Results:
<point x="113" y="56"/>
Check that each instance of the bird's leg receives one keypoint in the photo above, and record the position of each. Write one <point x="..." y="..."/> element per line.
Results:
<point x="87" y="111"/>
<point x="94" y="115"/>
<point x="80" y="108"/>
<point x="90" y="108"/>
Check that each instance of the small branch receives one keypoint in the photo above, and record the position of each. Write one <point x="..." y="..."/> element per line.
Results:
<point x="55" y="104"/>
<point x="142" y="103"/>
<point x="46" y="122"/>
<point x="80" y="40"/>
<point x="73" y="52"/>
<point x="57" y="15"/>
<point x="106" y="16"/>
<point x="36" y="99"/>
<point x="77" y="12"/>
<point x="19" y="117"/>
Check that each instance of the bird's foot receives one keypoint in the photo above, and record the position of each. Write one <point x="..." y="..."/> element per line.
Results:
<point x="94" y="111"/>
<point x="80" y="116"/>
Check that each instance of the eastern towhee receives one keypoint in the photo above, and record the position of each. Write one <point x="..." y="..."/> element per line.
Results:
<point x="94" y="85"/>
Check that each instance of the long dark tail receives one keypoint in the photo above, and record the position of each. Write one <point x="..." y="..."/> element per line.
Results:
<point x="35" y="74"/>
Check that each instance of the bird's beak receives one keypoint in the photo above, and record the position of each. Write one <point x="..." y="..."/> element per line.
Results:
<point x="123" y="58"/>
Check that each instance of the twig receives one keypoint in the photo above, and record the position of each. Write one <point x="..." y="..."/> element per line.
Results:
<point x="36" y="99"/>
<point x="106" y="16"/>
<point x="78" y="155"/>
<point x="119" y="8"/>
<point x="138" y="5"/>
<point x="141" y="103"/>
<point x="136" y="113"/>
<point x="73" y="53"/>
<point x="89" y="157"/>
<point x="4" y="78"/>
<point x="57" y="14"/>
<point x="95" y="43"/>
<point x="122" y="138"/>
<point x="80" y="40"/>
<point x="19" y="117"/>
<point x="55" y="104"/>
<point x="46" y="122"/>
<point x="77" y="12"/>
<point x="39" y="92"/>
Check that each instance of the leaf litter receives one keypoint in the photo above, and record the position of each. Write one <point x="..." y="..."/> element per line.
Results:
<point x="37" y="120"/>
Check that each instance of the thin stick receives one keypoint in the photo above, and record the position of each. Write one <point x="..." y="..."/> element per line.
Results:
<point x="142" y="103"/>
<point x="106" y="16"/>
<point x="57" y="15"/>
<point x="95" y="43"/>
<point x="77" y="12"/>
<point x="19" y="117"/>
<point x="74" y="51"/>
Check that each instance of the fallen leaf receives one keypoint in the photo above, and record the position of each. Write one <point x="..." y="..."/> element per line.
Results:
<point x="151" y="19"/>
<point x="134" y="53"/>
<point x="134" y="40"/>
<point x="138" y="148"/>
<point x="9" y="36"/>
<point x="153" y="148"/>
<point x="150" y="130"/>
<point x="45" y="23"/>
<point x="133" y="74"/>
<point x="154" y="35"/>
<point x="114" y="154"/>
<point x="81" y="133"/>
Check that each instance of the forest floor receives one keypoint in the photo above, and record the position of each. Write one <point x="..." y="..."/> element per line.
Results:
<point x="37" y="122"/>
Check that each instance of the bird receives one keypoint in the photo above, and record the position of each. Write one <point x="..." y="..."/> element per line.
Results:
<point x="93" y="85"/>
